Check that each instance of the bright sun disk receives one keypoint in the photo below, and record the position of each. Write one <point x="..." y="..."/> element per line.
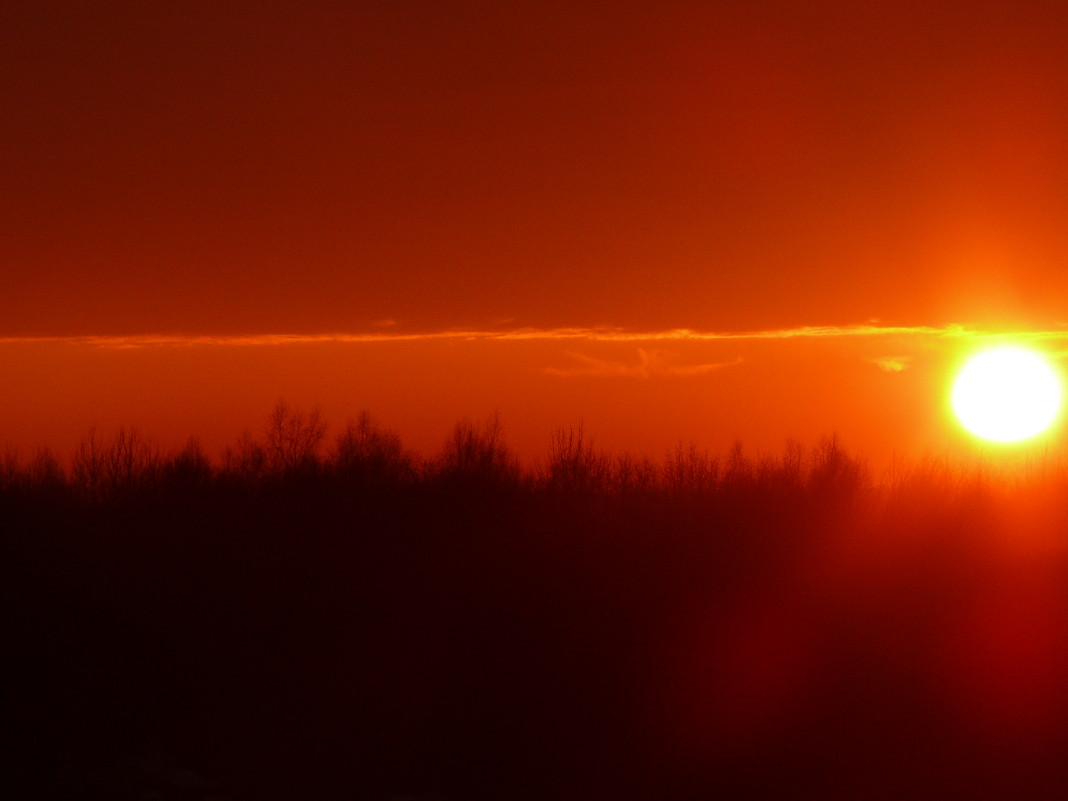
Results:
<point x="1007" y="394"/>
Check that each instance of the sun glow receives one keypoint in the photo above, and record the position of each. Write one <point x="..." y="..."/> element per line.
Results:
<point x="1007" y="394"/>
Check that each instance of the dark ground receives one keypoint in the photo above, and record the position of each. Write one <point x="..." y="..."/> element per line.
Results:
<point x="316" y="635"/>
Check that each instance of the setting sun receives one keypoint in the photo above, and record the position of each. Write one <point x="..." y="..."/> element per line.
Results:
<point x="1007" y="394"/>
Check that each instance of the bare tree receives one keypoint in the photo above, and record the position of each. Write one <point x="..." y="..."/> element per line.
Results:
<point x="293" y="437"/>
<point x="100" y="467"/>
<point x="739" y="472"/>
<point x="44" y="469"/>
<point x="690" y="471"/>
<point x="634" y="477"/>
<point x="189" y="466"/>
<point x="574" y="465"/>
<point x="130" y="458"/>
<point x="477" y="453"/>
<point x="10" y="468"/>
<point x="834" y="472"/>
<point x="246" y="459"/>
<point x="367" y="451"/>
<point x="88" y="464"/>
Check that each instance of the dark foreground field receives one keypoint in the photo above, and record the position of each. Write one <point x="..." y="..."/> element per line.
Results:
<point x="280" y="625"/>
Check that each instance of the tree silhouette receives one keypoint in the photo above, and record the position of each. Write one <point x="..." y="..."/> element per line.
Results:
<point x="366" y="452"/>
<point x="574" y="465"/>
<point x="689" y="471"/>
<point x="100" y="468"/>
<point x="293" y="438"/>
<point x="478" y="455"/>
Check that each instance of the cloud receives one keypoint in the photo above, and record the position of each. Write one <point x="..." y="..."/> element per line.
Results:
<point x="650" y="364"/>
<point x="594" y="334"/>
<point x="892" y="364"/>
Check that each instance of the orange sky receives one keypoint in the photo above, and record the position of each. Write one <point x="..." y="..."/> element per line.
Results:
<point x="244" y="170"/>
<point x="882" y="390"/>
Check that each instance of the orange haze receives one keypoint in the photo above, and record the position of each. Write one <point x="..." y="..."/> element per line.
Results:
<point x="232" y="180"/>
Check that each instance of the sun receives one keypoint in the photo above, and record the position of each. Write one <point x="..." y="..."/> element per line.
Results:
<point x="1007" y="394"/>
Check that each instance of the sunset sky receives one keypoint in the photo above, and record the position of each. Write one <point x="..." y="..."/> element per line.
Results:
<point x="668" y="221"/>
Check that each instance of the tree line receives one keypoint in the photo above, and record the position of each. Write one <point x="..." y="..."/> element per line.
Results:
<point x="325" y="614"/>
<point x="294" y="443"/>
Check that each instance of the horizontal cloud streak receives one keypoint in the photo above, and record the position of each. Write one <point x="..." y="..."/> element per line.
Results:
<point x="595" y="334"/>
<point x="650" y="364"/>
